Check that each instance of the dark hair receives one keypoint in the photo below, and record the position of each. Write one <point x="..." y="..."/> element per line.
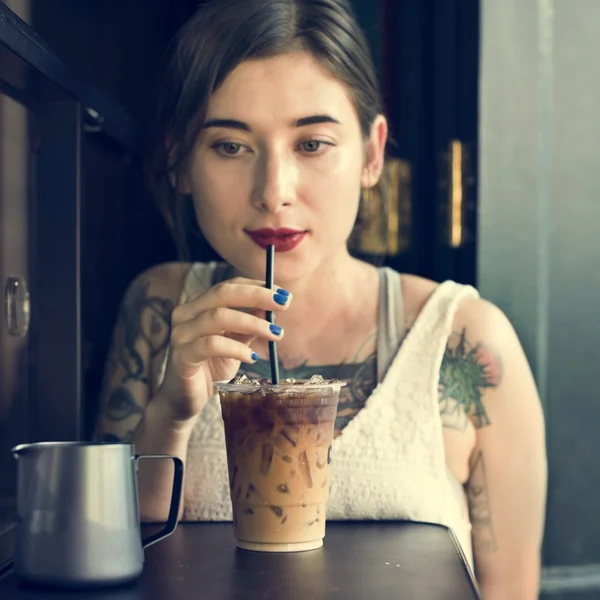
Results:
<point x="218" y="37"/>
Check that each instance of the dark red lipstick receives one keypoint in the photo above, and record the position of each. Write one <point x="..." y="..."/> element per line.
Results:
<point x="283" y="239"/>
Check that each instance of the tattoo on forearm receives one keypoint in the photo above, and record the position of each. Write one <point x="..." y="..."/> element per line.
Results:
<point x="143" y="319"/>
<point x="111" y="438"/>
<point x="466" y="372"/>
<point x="146" y="318"/>
<point x="484" y="538"/>
<point x="121" y="405"/>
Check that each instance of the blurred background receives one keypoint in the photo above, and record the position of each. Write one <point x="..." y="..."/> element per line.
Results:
<point x="494" y="109"/>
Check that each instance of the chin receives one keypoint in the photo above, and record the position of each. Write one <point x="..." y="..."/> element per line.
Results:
<point x="289" y="266"/>
<point x="301" y="262"/>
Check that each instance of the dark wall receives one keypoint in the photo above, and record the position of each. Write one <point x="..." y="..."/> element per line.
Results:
<point x="116" y="47"/>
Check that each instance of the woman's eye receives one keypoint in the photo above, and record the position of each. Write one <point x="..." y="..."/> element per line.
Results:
<point x="228" y="148"/>
<point x="313" y="146"/>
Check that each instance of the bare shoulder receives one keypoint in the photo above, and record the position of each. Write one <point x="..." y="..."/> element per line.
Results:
<point x="485" y="320"/>
<point x="416" y="291"/>
<point x="154" y="291"/>
<point x="474" y="313"/>
<point x="164" y="280"/>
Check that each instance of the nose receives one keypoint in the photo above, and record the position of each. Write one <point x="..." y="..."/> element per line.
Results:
<point x="275" y="182"/>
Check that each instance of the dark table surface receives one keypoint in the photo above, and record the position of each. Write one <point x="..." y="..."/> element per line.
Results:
<point x="400" y="561"/>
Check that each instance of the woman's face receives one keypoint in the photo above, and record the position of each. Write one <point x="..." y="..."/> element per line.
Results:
<point x="281" y="160"/>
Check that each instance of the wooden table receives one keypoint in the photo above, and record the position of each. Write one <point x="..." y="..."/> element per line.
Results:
<point x="359" y="560"/>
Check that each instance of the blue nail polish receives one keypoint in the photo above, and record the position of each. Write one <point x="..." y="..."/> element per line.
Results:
<point x="254" y="356"/>
<point x="275" y="329"/>
<point x="280" y="299"/>
<point x="282" y="292"/>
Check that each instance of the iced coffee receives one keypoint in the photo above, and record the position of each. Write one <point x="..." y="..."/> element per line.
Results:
<point x="279" y="440"/>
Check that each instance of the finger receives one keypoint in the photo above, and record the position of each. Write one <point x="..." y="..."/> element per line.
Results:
<point x="234" y="294"/>
<point x="244" y="339"/>
<point x="222" y="320"/>
<point x="187" y="358"/>
<point x="247" y="339"/>
<point x="241" y="280"/>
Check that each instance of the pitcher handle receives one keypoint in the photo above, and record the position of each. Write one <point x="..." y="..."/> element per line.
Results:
<point x="171" y="523"/>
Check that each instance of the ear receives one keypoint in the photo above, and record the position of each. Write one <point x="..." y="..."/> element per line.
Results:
<point x="180" y="181"/>
<point x="179" y="178"/>
<point x="375" y="152"/>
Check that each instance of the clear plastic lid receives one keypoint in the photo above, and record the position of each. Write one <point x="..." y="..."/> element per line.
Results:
<point x="242" y="383"/>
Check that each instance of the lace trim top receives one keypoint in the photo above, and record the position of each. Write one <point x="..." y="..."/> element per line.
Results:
<point x="389" y="461"/>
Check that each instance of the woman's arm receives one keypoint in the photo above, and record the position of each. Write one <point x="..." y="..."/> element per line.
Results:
<point x="129" y="409"/>
<point x="508" y="472"/>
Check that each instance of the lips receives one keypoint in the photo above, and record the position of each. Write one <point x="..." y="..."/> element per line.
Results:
<point x="283" y="238"/>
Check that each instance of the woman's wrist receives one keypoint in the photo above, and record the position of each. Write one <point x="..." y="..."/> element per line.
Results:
<point x="161" y="415"/>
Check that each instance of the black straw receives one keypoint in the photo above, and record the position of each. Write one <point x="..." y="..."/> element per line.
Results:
<point x="270" y="317"/>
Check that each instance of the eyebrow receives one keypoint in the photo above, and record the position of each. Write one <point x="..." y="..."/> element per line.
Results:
<point x="303" y="122"/>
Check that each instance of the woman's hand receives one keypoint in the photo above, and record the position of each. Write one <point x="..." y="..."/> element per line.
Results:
<point x="211" y="335"/>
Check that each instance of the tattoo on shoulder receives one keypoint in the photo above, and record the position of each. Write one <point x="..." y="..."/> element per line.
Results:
<point x="142" y="318"/>
<point x="484" y="538"/>
<point x="467" y="371"/>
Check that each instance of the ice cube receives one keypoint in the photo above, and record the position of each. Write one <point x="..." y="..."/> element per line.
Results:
<point x="305" y="468"/>
<point x="242" y="379"/>
<point x="266" y="459"/>
<point x="315" y="379"/>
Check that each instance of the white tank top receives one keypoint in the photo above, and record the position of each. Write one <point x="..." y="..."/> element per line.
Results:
<point x="389" y="461"/>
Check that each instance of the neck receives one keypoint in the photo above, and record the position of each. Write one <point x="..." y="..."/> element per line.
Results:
<point x="332" y="295"/>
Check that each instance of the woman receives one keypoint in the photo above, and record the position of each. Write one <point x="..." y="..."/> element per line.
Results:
<point x="271" y="130"/>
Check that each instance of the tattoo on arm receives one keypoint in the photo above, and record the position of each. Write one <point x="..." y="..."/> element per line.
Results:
<point x="484" y="538"/>
<point x="142" y="318"/>
<point x="121" y="405"/>
<point x="111" y="438"/>
<point x="466" y="372"/>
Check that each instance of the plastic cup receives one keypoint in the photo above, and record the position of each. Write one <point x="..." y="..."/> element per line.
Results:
<point x="279" y="440"/>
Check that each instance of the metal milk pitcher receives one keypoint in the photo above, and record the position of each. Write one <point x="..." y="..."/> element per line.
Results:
<point x="78" y="511"/>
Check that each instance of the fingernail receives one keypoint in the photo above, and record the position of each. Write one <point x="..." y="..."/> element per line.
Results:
<point x="282" y="292"/>
<point x="275" y="329"/>
<point x="254" y="356"/>
<point x="280" y="299"/>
